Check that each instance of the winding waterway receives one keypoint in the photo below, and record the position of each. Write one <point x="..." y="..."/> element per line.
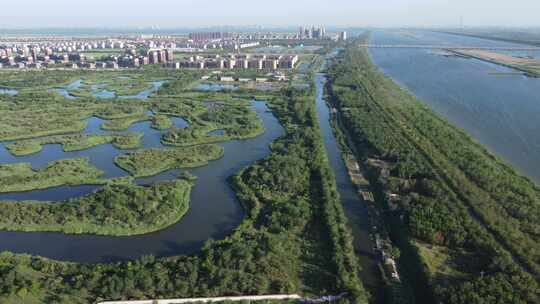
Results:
<point x="214" y="210"/>
<point x="497" y="108"/>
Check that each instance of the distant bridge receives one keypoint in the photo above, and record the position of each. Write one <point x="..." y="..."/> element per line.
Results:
<point x="447" y="46"/>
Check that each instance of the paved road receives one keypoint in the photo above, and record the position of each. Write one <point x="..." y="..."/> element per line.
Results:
<point x="209" y="300"/>
<point x="448" y="46"/>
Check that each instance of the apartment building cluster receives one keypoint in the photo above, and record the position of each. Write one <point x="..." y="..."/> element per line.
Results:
<point x="47" y="53"/>
<point x="35" y="58"/>
<point x="241" y="61"/>
<point x="208" y="36"/>
<point x="49" y="48"/>
<point x="132" y="60"/>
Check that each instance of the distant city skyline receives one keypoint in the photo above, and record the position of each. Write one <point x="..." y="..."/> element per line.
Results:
<point x="277" y="13"/>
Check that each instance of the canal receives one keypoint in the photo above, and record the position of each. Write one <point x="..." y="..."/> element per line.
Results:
<point x="355" y="208"/>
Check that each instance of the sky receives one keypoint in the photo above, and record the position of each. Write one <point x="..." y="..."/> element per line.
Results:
<point x="201" y="13"/>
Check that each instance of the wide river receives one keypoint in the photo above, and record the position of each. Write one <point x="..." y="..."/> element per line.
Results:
<point x="497" y="107"/>
<point x="214" y="209"/>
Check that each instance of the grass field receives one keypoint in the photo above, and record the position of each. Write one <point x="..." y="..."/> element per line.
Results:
<point x="124" y="123"/>
<point x="75" y="142"/>
<point x="21" y="177"/>
<point x="161" y="122"/>
<point x="98" y="54"/>
<point x="154" y="161"/>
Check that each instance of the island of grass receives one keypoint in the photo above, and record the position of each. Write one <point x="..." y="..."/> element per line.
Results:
<point x="234" y="122"/>
<point x="119" y="210"/>
<point x="161" y="122"/>
<point x="33" y="123"/>
<point x="50" y="115"/>
<point x="118" y="111"/>
<point x="76" y="142"/>
<point x="124" y="123"/>
<point x="154" y="161"/>
<point x="22" y="177"/>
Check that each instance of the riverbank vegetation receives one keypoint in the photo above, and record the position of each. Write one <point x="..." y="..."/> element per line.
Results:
<point x="75" y="142"/>
<point x="150" y="162"/>
<point x="464" y="219"/>
<point x="118" y="210"/>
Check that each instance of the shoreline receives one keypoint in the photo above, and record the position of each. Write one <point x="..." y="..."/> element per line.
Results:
<point x="466" y="54"/>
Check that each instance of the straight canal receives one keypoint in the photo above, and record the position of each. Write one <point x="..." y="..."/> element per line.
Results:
<point x="356" y="209"/>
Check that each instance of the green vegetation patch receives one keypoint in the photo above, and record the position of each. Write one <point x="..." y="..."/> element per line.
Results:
<point x="119" y="210"/>
<point x="124" y="123"/>
<point x="75" y="142"/>
<point x="154" y="161"/>
<point x="236" y="122"/>
<point x="41" y="122"/>
<point x="161" y="122"/>
<point x="118" y="111"/>
<point x="444" y="264"/>
<point x="99" y="54"/>
<point x="121" y="85"/>
<point x="42" y="79"/>
<point x="21" y="177"/>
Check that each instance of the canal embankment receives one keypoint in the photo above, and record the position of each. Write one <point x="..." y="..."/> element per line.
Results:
<point x="355" y="195"/>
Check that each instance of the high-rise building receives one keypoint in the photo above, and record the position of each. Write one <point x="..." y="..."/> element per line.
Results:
<point x="169" y="54"/>
<point x="308" y="33"/>
<point x="342" y="36"/>
<point x="153" y="57"/>
<point x="318" y="32"/>
<point x="162" y="56"/>
<point x="35" y="53"/>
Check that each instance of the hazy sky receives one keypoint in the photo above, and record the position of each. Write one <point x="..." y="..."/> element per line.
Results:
<point x="197" y="13"/>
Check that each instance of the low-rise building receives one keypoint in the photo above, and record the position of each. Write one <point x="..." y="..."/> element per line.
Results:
<point x="241" y="61"/>
<point x="226" y="79"/>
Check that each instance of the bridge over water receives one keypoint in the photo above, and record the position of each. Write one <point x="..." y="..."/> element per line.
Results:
<point x="448" y="46"/>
